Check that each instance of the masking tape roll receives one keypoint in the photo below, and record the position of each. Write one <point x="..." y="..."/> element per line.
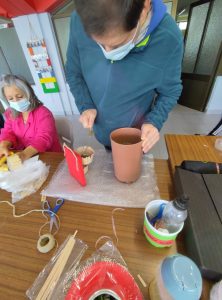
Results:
<point x="46" y="243"/>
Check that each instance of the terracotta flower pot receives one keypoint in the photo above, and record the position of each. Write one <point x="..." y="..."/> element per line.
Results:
<point x="127" y="153"/>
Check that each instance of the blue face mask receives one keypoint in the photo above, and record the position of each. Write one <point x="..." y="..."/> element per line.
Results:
<point x="120" y="52"/>
<point x="21" y="105"/>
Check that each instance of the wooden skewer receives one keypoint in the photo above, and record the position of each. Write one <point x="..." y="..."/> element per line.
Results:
<point x="90" y="132"/>
<point x="141" y="280"/>
<point x="57" y="270"/>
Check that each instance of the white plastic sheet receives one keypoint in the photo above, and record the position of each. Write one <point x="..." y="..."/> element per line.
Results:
<point x="102" y="186"/>
<point x="25" y="180"/>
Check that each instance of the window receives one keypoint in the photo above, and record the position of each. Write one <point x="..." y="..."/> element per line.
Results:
<point x="61" y="20"/>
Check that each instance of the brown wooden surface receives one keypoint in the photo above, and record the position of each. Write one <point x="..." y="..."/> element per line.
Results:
<point x="191" y="147"/>
<point x="20" y="262"/>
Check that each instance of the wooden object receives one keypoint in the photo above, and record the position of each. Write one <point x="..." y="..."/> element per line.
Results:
<point x="191" y="147"/>
<point x="57" y="270"/>
<point x="20" y="261"/>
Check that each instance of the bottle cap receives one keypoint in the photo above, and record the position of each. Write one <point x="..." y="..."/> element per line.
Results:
<point x="181" y="277"/>
<point x="181" y="203"/>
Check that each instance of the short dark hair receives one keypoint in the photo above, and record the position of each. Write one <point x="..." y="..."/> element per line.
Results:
<point x="99" y="16"/>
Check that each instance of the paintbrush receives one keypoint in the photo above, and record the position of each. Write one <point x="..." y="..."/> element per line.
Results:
<point x="90" y="132"/>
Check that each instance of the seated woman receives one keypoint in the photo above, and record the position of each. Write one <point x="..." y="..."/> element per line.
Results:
<point x="29" y="125"/>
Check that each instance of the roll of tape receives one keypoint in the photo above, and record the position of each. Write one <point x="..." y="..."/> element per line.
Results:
<point x="46" y="243"/>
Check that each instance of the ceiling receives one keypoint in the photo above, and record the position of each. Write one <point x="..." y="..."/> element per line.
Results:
<point x="14" y="8"/>
<point x="59" y="8"/>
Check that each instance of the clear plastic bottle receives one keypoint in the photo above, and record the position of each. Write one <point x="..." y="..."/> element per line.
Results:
<point x="175" y="213"/>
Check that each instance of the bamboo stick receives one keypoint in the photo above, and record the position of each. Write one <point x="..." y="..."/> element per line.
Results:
<point x="57" y="270"/>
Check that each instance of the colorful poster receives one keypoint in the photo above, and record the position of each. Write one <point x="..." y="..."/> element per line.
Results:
<point x="40" y="58"/>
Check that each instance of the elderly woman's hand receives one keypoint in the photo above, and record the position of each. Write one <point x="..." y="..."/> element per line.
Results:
<point x="4" y="148"/>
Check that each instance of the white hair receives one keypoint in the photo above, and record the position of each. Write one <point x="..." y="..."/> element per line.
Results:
<point x="24" y="86"/>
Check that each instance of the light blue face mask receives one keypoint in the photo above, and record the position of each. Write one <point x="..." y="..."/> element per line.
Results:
<point x="21" y="105"/>
<point x="120" y="52"/>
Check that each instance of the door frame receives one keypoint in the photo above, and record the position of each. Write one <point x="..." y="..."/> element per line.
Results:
<point x="200" y="2"/>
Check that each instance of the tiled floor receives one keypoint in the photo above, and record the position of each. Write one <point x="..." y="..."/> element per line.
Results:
<point x="182" y="120"/>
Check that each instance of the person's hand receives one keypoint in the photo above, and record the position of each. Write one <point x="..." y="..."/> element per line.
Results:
<point x="27" y="153"/>
<point x="4" y="148"/>
<point x="22" y="156"/>
<point x="88" y="117"/>
<point x="150" y="135"/>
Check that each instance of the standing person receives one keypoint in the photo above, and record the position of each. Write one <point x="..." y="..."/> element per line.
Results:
<point x="29" y="126"/>
<point x="124" y="66"/>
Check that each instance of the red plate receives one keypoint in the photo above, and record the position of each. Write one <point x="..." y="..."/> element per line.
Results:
<point x="104" y="275"/>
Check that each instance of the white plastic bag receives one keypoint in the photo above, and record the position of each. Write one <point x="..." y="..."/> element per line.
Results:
<point x="25" y="180"/>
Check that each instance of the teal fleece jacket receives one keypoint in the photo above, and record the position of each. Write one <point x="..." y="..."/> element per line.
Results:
<point x="143" y="87"/>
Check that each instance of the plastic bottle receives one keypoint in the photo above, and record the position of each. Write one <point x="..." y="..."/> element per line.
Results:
<point x="174" y="213"/>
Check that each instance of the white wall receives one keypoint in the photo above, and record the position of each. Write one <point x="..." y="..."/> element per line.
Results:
<point x="215" y="101"/>
<point x="41" y="27"/>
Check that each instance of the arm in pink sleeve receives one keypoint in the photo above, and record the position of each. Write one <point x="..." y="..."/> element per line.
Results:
<point x="7" y="133"/>
<point x="46" y="131"/>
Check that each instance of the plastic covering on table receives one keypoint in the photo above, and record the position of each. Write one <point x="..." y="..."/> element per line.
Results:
<point x="102" y="186"/>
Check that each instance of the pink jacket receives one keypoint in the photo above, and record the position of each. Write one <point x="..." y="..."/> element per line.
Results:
<point x="38" y="132"/>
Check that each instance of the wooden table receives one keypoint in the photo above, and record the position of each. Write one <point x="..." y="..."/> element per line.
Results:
<point x="20" y="262"/>
<point x="192" y="147"/>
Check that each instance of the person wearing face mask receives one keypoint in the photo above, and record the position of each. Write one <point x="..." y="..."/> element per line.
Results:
<point x="29" y="126"/>
<point x="124" y="66"/>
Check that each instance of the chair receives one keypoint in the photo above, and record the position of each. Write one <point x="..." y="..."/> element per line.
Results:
<point x="64" y="128"/>
<point x="217" y="130"/>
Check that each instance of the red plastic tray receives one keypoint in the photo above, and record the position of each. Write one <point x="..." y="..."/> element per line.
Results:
<point x="104" y="275"/>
